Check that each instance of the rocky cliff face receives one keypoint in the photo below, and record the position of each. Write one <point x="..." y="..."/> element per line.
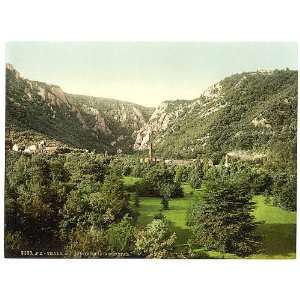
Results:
<point x="168" y="116"/>
<point x="162" y="119"/>
<point x="118" y="120"/>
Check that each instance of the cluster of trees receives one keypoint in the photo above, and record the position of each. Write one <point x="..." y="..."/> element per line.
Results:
<point x="75" y="203"/>
<point x="276" y="178"/>
<point x="159" y="180"/>
<point x="123" y="239"/>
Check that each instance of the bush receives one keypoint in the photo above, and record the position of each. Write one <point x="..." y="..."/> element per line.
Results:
<point x="121" y="238"/>
<point x="285" y="190"/>
<point x="156" y="241"/>
<point x="87" y="243"/>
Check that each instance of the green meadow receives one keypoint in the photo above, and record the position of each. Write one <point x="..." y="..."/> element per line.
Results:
<point x="277" y="226"/>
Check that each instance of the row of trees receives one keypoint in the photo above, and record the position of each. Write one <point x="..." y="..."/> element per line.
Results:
<point x="277" y="178"/>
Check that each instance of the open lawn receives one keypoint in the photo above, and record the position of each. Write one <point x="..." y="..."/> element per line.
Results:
<point x="278" y="230"/>
<point x="278" y="227"/>
<point x="176" y="214"/>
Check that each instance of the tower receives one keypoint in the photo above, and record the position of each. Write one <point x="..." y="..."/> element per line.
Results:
<point x="150" y="152"/>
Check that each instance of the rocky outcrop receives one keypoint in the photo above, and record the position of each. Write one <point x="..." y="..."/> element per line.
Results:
<point x="170" y="113"/>
<point x="100" y="124"/>
<point x="11" y="68"/>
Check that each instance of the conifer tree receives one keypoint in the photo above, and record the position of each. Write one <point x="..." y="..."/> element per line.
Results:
<point x="223" y="219"/>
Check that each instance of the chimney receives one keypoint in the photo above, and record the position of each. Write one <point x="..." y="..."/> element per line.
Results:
<point x="151" y="152"/>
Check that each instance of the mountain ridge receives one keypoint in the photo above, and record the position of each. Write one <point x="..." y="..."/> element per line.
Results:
<point x="248" y="111"/>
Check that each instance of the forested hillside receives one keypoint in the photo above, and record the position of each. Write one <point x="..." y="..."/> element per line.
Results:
<point x="249" y="111"/>
<point x="36" y="110"/>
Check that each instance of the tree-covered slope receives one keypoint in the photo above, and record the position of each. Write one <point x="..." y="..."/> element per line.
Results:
<point x="248" y="111"/>
<point x="36" y="110"/>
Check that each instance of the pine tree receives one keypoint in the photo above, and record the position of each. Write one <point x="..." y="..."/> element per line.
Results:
<point x="165" y="202"/>
<point x="223" y="219"/>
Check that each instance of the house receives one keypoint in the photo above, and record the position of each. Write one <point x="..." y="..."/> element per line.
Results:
<point x="242" y="155"/>
<point x="42" y="144"/>
<point x="15" y="147"/>
<point x="31" y="149"/>
<point x="51" y="149"/>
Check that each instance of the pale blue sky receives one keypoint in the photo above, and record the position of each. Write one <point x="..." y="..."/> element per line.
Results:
<point x="144" y="73"/>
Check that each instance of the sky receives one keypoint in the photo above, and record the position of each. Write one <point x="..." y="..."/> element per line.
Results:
<point x="142" y="72"/>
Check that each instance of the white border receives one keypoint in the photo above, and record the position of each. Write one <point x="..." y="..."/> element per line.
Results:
<point x="139" y="20"/>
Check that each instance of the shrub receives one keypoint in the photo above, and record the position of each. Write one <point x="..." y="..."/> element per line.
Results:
<point x="156" y="241"/>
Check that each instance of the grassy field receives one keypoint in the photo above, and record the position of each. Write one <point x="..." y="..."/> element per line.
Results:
<point x="278" y="230"/>
<point x="278" y="227"/>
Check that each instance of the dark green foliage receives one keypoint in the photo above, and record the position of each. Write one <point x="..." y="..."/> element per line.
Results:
<point x="122" y="165"/>
<point x="33" y="199"/>
<point x="285" y="190"/>
<point x="159" y="180"/>
<point x="97" y="209"/>
<point x="121" y="237"/>
<point x="223" y="219"/>
<point x="165" y="202"/>
<point x="156" y="241"/>
<point x="196" y="174"/>
<point x="258" y="178"/>
<point x="51" y="200"/>
<point x="87" y="243"/>
<point x="86" y="167"/>
<point x="136" y="200"/>
<point x="14" y="242"/>
<point x="137" y="169"/>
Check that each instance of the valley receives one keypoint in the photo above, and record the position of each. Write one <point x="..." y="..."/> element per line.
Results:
<point x="210" y="177"/>
<point x="249" y="112"/>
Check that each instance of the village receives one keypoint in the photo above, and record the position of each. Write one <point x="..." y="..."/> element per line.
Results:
<point x="40" y="147"/>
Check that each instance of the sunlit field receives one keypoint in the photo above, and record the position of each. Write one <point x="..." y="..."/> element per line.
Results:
<point x="278" y="226"/>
